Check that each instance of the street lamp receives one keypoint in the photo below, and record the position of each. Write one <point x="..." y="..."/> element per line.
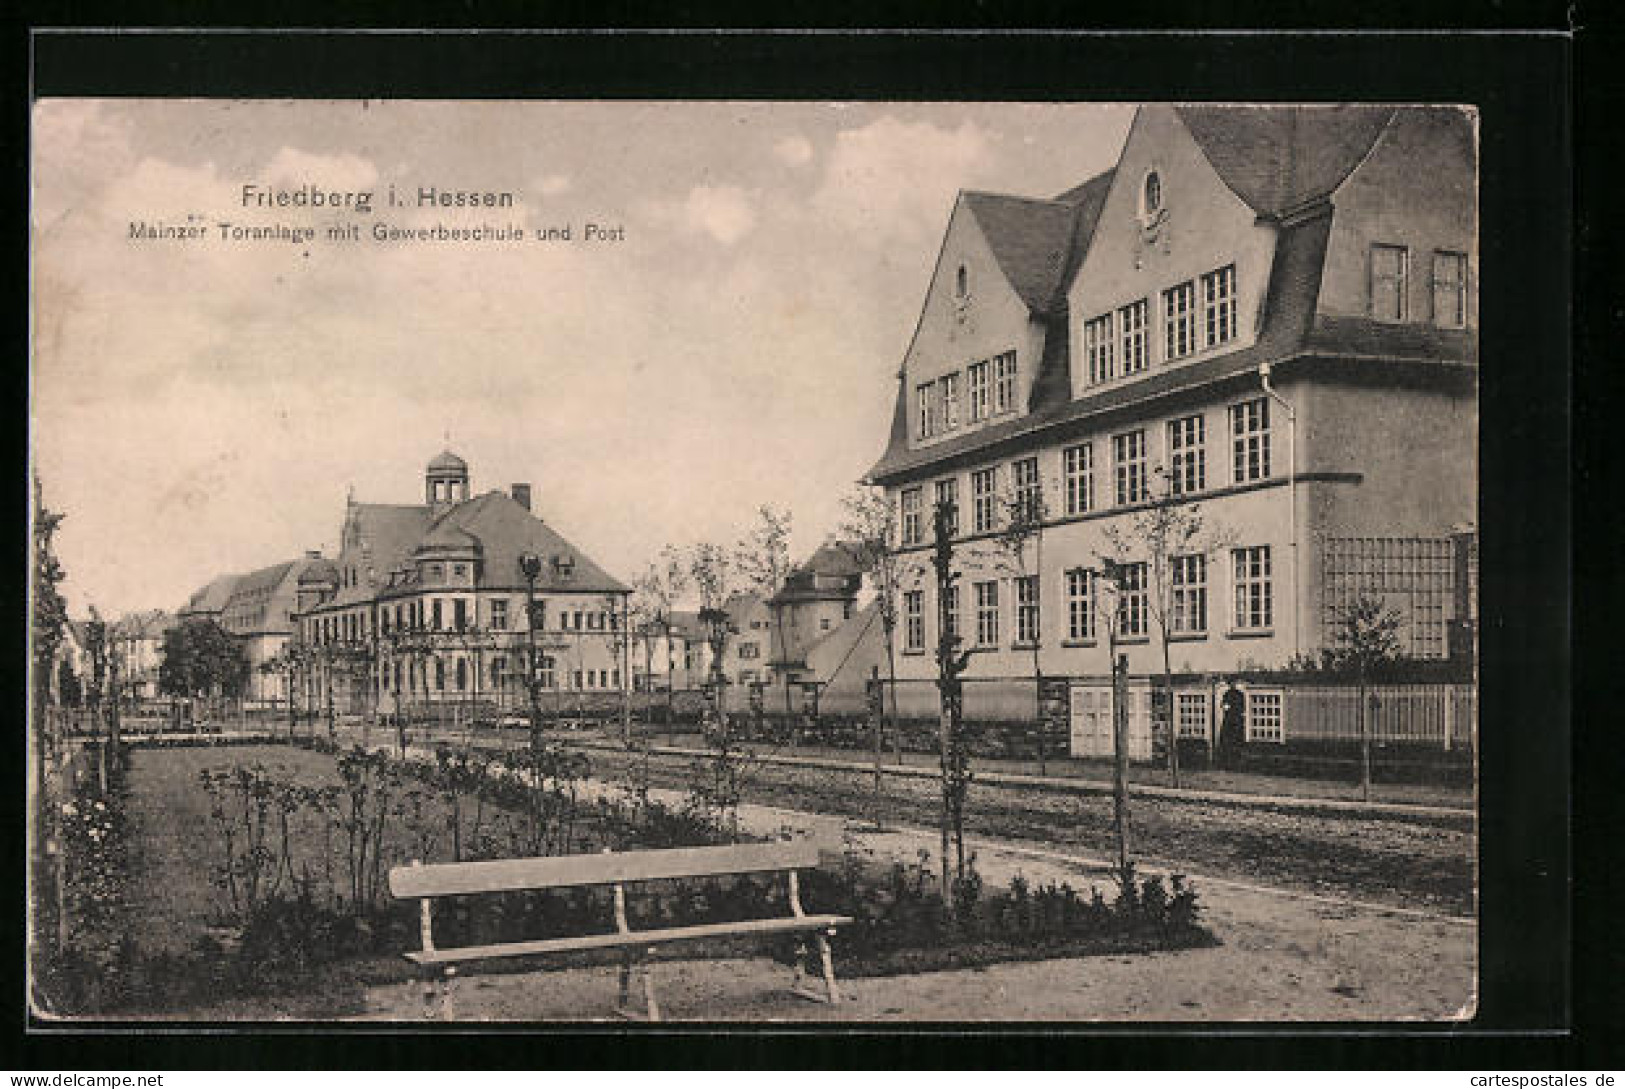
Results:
<point x="530" y="566"/>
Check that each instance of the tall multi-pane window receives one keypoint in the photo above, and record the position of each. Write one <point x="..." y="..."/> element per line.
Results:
<point x="1133" y="605"/>
<point x="1193" y="714"/>
<point x="1080" y="605"/>
<point x="1188" y="612"/>
<point x="1027" y="609"/>
<point x="912" y="531"/>
<point x="1219" y="306"/>
<point x="435" y="621"/>
<point x="987" y="614"/>
<point x="1265" y="720"/>
<point x="1128" y="467"/>
<point x="1078" y="470"/>
<point x="1390" y="276"/>
<point x="1187" y="458"/>
<point x="1250" y="430"/>
<point x="499" y="614"/>
<point x="1098" y="349"/>
<point x="977" y="380"/>
<point x="1449" y="289"/>
<point x="914" y="620"/>
<point x="1029" y="493"/>
<point x="1255" y="605"/>
<point x="923" y="396"/>
<point x="1131" y="332"/>
<point x="983" y="484"/>
<point x="947" y="497"/>
<point x="950" y="611"/>
<point x="1179" y="320"/>
<point x="950" y="401"/>
<point x="1004" y="383"/>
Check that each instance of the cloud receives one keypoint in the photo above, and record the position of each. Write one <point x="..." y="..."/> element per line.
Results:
<point x="892" y="180"/>
<point x="725" y="212"/>
<point x="794" y="150"/>
<point x="339" y="171"/>
<point x="553" y="184"/>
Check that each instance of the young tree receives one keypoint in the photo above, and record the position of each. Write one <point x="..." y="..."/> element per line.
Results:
<point x="1366" y="636"/>
<point x="618" y="638"/>
<point x="867" y="534"/>
<point x="762" y="559"/>
<point x="1170" y="536"/>
<point x="50" y="611"/>
<point x="201" y="658"/>
<point x="951" y="663"/>
<point x="712" y="573"/>
<point x="1024" y="514"/>
<point x="655" y="596"/>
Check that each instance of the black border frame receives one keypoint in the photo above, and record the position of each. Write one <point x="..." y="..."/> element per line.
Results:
<point x="1522" y="84"/>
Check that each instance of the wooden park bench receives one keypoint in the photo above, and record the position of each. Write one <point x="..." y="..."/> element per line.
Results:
<point x="427" y="883"/>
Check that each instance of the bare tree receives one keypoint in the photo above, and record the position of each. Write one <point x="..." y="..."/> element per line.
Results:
<point x="655" y="596"/>
<point x="1170" y="536"/>
<point x="1021" y="554"/>
<point x="867" y="534"/>
<point x="951" y="663"/>
<point x="1366" y="635"/>
<point x="762" y="560"/>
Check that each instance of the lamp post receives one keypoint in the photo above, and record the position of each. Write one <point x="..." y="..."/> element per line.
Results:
<point x="530" y="566"/>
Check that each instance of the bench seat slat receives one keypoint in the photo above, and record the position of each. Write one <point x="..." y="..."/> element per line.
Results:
<point x="624" y="867"/>
<point x="787" y="925"/>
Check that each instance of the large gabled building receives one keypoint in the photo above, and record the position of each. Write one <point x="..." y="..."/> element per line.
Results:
<point x="427" y="604"/>
<point x="1270" y="312"/>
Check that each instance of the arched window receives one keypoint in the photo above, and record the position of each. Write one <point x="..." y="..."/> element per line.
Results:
<point x="1151" y="195"/>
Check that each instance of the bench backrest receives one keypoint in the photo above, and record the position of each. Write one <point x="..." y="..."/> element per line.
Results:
<point x="569" y="871"/>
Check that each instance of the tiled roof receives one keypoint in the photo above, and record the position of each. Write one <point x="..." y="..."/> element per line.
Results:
<point x="1029" y="238"/>
<point x="505" y="530"/>
<point x="147" y="625"/>
<point x="390" y="532"/>
<point x="1280" y="158"/>
<point x="211" y="598"/>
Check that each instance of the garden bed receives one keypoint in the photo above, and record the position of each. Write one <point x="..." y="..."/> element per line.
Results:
<point x="261" y="872"/>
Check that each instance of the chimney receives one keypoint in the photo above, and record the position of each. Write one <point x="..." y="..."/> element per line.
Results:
<point x="521" y="495"/>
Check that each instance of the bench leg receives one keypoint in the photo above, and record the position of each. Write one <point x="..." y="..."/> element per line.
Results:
<point x="649" y="999"/>
<point x="829" y="968"/>
<point x="437" y="994"/>
<point x="626" y="980"/>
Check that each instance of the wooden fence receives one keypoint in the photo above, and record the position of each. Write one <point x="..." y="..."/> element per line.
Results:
<point x="1436" y="715"/>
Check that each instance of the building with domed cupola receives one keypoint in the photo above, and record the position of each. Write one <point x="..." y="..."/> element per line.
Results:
<point x="426" y="604"/>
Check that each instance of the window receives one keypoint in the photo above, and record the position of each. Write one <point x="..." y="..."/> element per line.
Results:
<point x="1254" y="603"/>
<point x="1191" y="715"/>
<point x="459" y="615"/>
<point x="1078" y="467"/>
<point x="1187" y="461"/>
<point x="948" y="500"/>
<point x="1004" y="383"/>
<point x="1128" y="467"/>
<point x="1027" y="609"/>
<point x="1179" y="323"/>
<point x="911" y="516"/>
<point x="545" y="676"/>
<point x="434" y="614"/>
<point x="914" y="620"/>
<point x="459" y="570"/>
<point x="950" y="611"/>
<point x="1449" y="289"/>
<point x="1188" y="612"/>
<point x="462" y="674"/>
<point x="922" y="405"/>
<point x="1080" y="605"/>
<point x="962" y="282"/>
<point x="1151" y="196"/>
<point x="440" y="674"/>
<point x="950" y="401"/>
<point x="1250" y="428"/>
<point x="987" y="614"/>
<point x="976" y="380"/>
<point x="603" y="678"/>
<point x="1219" y="306"/>
<point x="1097" y="349"/>
<point x="749" y="651"/>
<point x="823" y="624"/>
<point x="1390" y="272"/>
<point x="1131" y="329"/>
<point x="982" y="486"/>
<point x="1029" y="492"/>
<point x="575" y="679"/>
<point x="1132" y="603"/>
<point x="1265" y="720"/>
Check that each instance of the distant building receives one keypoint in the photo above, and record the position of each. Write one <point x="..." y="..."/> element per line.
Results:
<point x="427" y="603"/>
<point x="137" y="644"/>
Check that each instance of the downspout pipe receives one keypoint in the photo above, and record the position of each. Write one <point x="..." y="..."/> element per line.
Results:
<point x="1292" y="493"/>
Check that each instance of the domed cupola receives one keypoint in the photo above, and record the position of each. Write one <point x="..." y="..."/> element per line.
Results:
<point x="445" y="481"/>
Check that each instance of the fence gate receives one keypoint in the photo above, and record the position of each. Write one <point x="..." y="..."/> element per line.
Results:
<point x="1092" y="720"/>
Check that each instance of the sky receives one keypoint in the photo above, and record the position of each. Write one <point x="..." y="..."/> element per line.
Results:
<point x="205" y="406"/>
